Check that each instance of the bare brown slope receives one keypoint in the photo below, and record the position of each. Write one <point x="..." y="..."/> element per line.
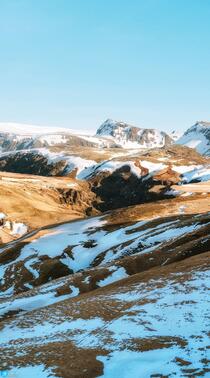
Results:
<point x="38" y="201"/>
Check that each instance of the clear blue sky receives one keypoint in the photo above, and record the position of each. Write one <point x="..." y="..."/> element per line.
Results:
<point x="75" y="63"/>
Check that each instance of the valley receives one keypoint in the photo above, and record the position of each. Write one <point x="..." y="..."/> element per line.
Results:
<point x="104" y="252"/>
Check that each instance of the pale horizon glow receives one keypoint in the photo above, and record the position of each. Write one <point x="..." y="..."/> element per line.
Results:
<point x="74" y="64"/>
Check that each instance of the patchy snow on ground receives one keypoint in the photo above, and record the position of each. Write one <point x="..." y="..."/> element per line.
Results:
<point x="169" y="320"/>
<point x="152" y="167"/>
<point x="2" y="216"/>
<point x="185" y="168"/>
<point x="72" y="162"/>
<point x="186" y="194"/>
<point x="172" y="192"/>
<point x="52" y="139"/>
<point x="46" y="296"/>
<point x="32" y="371"/>
<point x="177" y="311"/>
<point x="110" y="245"/>
<point x="117" y="275"/>
<point x="197" y="174"/>
<point x="18" y="229"/>
<point x="112" y="165"/>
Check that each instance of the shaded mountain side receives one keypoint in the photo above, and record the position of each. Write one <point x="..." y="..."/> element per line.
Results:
<point x="31" y="163"/>
<point x="123" y="188"/>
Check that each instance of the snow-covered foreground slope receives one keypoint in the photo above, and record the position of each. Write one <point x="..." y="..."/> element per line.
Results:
<point x="198" y="137"/>
<point x="153" y="324"/>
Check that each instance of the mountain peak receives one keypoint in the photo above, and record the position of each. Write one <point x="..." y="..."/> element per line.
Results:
<point x="128" y="136"/>
<point x="202" y="123"/>
<point x="109" y="126"/>
<point x="198" y="137"/>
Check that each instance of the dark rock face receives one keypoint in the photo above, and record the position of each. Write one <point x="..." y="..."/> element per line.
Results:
<point x="30" y="163"/>
<point x="123" y="188"/>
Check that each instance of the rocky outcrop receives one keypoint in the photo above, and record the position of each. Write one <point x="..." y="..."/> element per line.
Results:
<point x="82" y="199"/>
<point x="30" y="163"/>
<point x="167" y="177"/>
<point x="123" y="188"/>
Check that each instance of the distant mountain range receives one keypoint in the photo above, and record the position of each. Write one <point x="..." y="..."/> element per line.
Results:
<point x="111" y="134"/>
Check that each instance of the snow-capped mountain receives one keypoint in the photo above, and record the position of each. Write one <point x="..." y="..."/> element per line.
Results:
<point x="63" y="140"/>
<point x="110" y="134"/>
<point x="175" y="135"/>
<point x="129" y="136"/>
<point x="198" y="137"/>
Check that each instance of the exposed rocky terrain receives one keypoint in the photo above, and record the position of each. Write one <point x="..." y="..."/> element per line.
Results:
<point x="104" y="255"/>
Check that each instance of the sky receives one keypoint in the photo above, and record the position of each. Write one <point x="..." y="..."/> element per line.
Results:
<point x="75" y="63"/>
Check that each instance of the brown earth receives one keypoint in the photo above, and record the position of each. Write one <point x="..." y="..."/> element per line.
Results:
<point x="38" y="201"/>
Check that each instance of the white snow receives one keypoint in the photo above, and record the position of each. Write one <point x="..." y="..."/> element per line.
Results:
<point x="175" y="135"/>
<point x="171" y="310"/>
<point x="71" y="161"/>
<point x="2" y="216"/>
<point x="172" y="192"/>
<point x="32" y="371"/>
<point x="22" y="129"/>
<point x="31" y="301"/>
<point x="72" y="185"/>
<point x="111" y="245"/>
<point x="176" y="310"/>
<point x="52" y="139"/>
<point x="18" y="228"/>
<point x="117" y="275"/>
<point x="198" y="137"/>
<point x="198" y="174"/>
<point x="152" y="167"/>
<point x="185" y="168"/>
<point x="119" y="132"/>
<point x="112" y="165"/>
